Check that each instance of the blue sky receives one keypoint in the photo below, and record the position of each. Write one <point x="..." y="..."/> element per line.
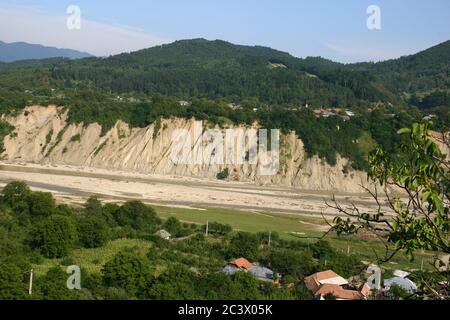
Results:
<point x="329" y="28"/>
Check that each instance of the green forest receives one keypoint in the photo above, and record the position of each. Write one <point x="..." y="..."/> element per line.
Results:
<point x="271" y="87"/>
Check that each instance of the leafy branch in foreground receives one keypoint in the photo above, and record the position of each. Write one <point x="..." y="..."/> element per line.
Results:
<point x="413" y="213"/>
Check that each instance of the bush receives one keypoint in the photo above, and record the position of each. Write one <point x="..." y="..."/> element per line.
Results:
<point x="224" y="174"/>
<point x="75" y="138"/>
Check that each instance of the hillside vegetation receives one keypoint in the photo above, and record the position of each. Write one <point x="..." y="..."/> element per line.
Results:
<point x="143" y="86"/>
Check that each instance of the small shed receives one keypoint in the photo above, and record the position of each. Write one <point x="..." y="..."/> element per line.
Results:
<point x="164" y="234"/>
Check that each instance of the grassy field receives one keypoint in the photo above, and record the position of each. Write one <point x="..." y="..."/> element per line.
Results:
<point x="92" y="260"/>
<point x="289" y="227"/>
<point x="286" y="225"/>
<point x="294" y="227"/>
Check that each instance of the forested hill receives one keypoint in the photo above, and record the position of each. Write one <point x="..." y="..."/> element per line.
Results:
<point x="267" y="86"/>
<point x="217" y="69"/>
<point x="424" y="71"/>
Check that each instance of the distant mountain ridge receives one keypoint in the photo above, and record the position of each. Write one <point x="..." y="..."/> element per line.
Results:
<point x="16" y="51"/>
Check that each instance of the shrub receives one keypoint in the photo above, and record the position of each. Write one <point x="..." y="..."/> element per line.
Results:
<point x="75" y="138"/>
<point x="224" y="174"/>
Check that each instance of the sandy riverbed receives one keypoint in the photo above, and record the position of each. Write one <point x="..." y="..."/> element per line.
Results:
<point x="75" y="184"/>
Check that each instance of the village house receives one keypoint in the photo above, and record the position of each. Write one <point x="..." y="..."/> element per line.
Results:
<point x="429" y="117"/>
<point x="349" y="113"/>
<point x="234" y="266"/>
<point x="242" y="264"/>
<point x="163" y="234"/>
<point x="328" y="283"/>
<point x="183" y="103"/>
<point x="234" y="106"/>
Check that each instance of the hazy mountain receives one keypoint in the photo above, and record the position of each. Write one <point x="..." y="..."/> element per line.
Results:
<point x="16" y="51"/>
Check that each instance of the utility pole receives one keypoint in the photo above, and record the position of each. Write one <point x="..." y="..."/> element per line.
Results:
<point x="270" y="236"/>
<point x="207" y="226"/>
<point x="30" y="288"/>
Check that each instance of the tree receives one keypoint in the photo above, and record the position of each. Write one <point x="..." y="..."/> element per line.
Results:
<point x="218" y="228"/>
<point x="244" y="244"/>
<point x="93" y="205"/>
<point x="137" y="215"/>
<point x="93" y="231"/>
<point x="15" y="192"/>
<point x="53" y="285"/>
<point x="41" y="204"/>
<point x="421" y="172"/>
<point x="322" y="250"/>
<point x="128" y="270"/>
<point x="11" y="282"/>
<point x="15" y="195"/>
<point x="54" y="236"/>
<point x="296" y="263"/>
<point x="173" y="226"/>
<point x="175" y="283"/>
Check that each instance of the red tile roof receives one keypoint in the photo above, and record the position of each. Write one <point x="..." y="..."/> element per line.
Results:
<point x="242" y="263"/>
<point x="338" y="292"/>
<point x="365" y="290"/>
<point x="315" y="284"/>
<point x="313" y="281"/>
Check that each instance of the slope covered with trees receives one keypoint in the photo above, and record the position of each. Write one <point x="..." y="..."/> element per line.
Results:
<point x="271" y="87"/>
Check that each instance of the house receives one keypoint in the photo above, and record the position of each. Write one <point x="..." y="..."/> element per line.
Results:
<point x="326" y="283"/>
<point x="183" y="103"/>
<point x="262" y="273"/>
<point x="315" y="281"/>
<point x="349" y="113"/>
<point x="234" y="266"/>
<point x="337" y="292"/>
<point x="234" y="106"/>
<point x="429" y="117"/>
<point x="163" y="234"/>
<point x="317" y="112"/>
<point x="327" y="114"/>
<point x="242" y="264"/>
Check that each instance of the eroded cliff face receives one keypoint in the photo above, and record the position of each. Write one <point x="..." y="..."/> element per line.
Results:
<point x="42" y="135"/>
